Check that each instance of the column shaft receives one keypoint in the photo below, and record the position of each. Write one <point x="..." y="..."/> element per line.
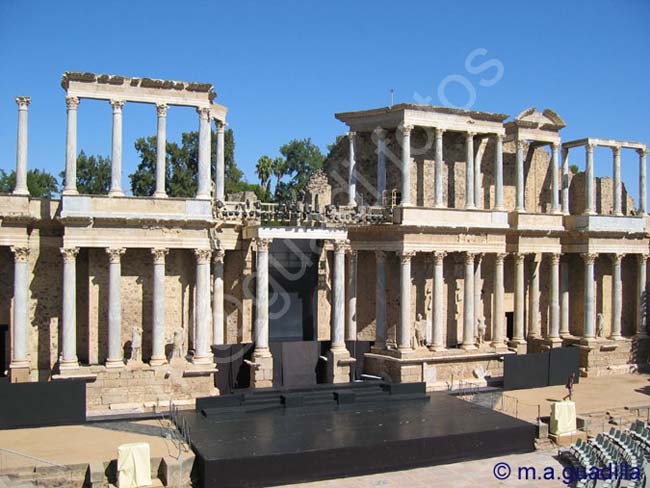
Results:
<point x="204" y="179"/>
<point x="617" y="296"/>
<point x="338" y="297"/>
<point x="564" y="300"/>
<point x="116" y="150"/>
<point x="220" y="164"/>
<point x="565" y="181"/>
<point x="406" y="165"/>
<point x="70" y="186"/>
<point x="498" y="316"/>
<point x="161" y="151"/>
<point x="468" y="303"/>
<point x="498" y="173"/>
<point x="438" y="167"/>
<point x="21" y="147"/>
<point x="405" y="334"/>
<point x="69" y="314"/>
<point x="20" y="332"/>
<point x="518" y="334"/>
<point x="642" y="304"/>
<point x="554" y="329"/>
<point x="380" y="300"/>
<point x="643" y="203"/>
<point x="478" y="259"/>
<point x="469" y="171"/>
<point x="262" y="298"/>
<point x="589" y="180"/>
<point x="381" y="165"/>
<point x="478" y="158"/>
<point x="555" y="193"/>
<point x="438" y="296"/>
<point x="520" y="200"/>
<point x="533" y="320"/>
<point x="618" y="187"/>
<point x="158" y="313"/>
<point x="218" y="316"/>
<point x="351" y="329"/>
<point x="115" y="357"/>
<point x="202" y="353"/>
<point x="589" y="297"/>
<point x="352" y="176"/>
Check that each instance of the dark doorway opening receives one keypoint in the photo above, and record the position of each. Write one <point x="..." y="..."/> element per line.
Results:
<point x="4" y="350"/>
<point x="510" y="324"/>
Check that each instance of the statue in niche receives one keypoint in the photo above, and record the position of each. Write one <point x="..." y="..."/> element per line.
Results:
<point x="480" y="329"/>
<point x="420" y="332"/>
<point x="136" y="344"/>
<point x="177" y="344"/>
<point x="600" y="330"/>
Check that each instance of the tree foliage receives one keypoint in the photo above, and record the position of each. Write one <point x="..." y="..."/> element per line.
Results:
<point x="301" y="159"/>
<point x="264" y="170"/>
<point x="93" y="174"/>
<point x="40" y="184"/>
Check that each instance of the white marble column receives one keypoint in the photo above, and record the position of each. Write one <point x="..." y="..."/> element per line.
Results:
<point x="380" y="300"/>
<point x="204" y="181"/>
<point x="643" y="203"/>
<point x="642" y="298"/>
<point x="21" y="147"/>
<point x="381" y="164"/>
<point x="589" y="297"/>
<point x="469" y="171"/>
<point x="218" y="316"/>
<point x="438" y="155"/>
<point x="438" y="297"/>
<point x="116" y="150"/>
<point x="564" y="299"/>
<point x="161" y="151"/>
<point x="590" y="208"/>
<point x="555" y="193"/>
<point x="70" y="184"/>
<point x="498" y="315"/>
<point x="115" y="357"/>
<point x="220" y="173"/>
<point x="202" y="352"/>
<point x="498" y="172"/>
<point x="468" y="303"/>
<point x="617" y="296"/>
<point x="351" y="309"/>
<point x="69" y="310"/>
<point x="618" y="187"/>
<point x="405" y="333"/>
<point x="262" y="298"/>
<point x="20" y="330"/>
<point x="565" y="181"/>
<point x="520" y="186"/>
<point x="533" y="300"/>
<point x="478" y="175"/>
<point x="554" y="325"/>
<point x="158" y="313"/>
<point x="518" y="333"/>
<point x="478" y="312"/>
<point x="406" y="165"/>
<point x="352" y="175"/>
<point x="338" y="296"/>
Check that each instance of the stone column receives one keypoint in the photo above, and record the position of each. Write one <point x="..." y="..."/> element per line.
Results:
<point x="69" y="315"/>
<point x="618" y="187"/>
<point x="589" y="298"/>
<point x="554" y="326"/>
<point x="565" y="181"/>
<point x="520" y="200"/>
<point x="406" y="165"/>
<point x="498" y="316"/>
<point x="161" y="151"/>
<point x="617" y="296"/>
<point x="204" y="180"/>
<point x="220" y="163"/>
<point x="405" y="333"/>
<point x="158" y="356"/>
<point x="498" y="173"/>
<point x="20" y="332"/>
<point x="555" y="193"/>
<point x="218" y="316"/>
<point x="468" y="303"/>
<point x="438" y="297"/>
<point x="380" y="300"/>
<point x="338" y="296"/>
<point x="478" y="175"/>
<point x="589" y="181"/>
<point x="439" y="167"/>
<point x="564" y="299"/>
<point x="70" y="184"/>
<point x="469" y="170"/>
<point x="642" y="182"/>
<point x="381" y="164"/>
<point x="262" y="298"/>
<point x="202" y="353"/>
<point x="518" y="334"/>
<point x="115" y="357"/>
<point x="352" y="176"/>
<point x="642" y="297"/>
<point x="533" y="320"/>
<point x="21" y="147"/>
<point x="116" y="150"/>
<point x="351" y="329"/>
<point x="478" y="259"/>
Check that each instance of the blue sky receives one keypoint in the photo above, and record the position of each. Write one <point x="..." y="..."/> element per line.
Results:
<point x="284" y="68"/>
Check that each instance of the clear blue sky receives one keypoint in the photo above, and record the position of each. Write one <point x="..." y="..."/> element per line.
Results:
<point x="284" y="68"/>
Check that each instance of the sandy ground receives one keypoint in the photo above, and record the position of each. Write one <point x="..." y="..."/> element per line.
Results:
<point x="81" y="444"/>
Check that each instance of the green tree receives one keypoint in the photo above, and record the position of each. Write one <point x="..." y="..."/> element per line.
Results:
<point x="40" y="184"/>
<point x="93" y="174"/>
<point x="302" y="158"/>
<point x="264" y="169"/>
<point x="574" y="169"/>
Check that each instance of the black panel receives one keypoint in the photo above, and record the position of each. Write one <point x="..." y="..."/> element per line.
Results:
<point x="564" y="361"/>
<point x="525" y="371"/>
<point x="232" y="372"/>
<point x="42" y="404"/>
<point x="299" y="363"/>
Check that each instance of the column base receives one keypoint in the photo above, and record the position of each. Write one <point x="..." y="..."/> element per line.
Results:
<point x="553" y="342"/>
<point x="338" y="365"/>
<point x="21" y="191"/>
<point x="499" y="346"/>
<point x="262" y="369"/>
<point x="115" y="193"/>
<point x="616" y="338"/>
<point x="202" y="197"/>
<point x="68" y="364"/>
<point x="520" y="346"/>
<point x="115" y="363"/>
<point x="202" y="359"/>
<point x="160" y="195"/>
<point x="437" y="348"/>
<point x="19" y="372"/>
<point x="468" y="347"/>
<point x="69" y="191"/>
<point x="157" y="361"/>
<point x="589" y="341"/>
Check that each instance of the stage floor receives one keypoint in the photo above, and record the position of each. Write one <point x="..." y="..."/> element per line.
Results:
<point x="310" y="443"/>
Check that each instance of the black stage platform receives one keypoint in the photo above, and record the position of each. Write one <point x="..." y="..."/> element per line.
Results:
<point x="365" y="429"/>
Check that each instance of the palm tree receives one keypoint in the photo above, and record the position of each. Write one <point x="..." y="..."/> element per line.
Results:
<point x="264" y="169"/>
<point x="279" y="169"/>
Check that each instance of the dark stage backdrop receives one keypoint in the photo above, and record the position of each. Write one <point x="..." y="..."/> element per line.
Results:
<point x="541" y="369"/>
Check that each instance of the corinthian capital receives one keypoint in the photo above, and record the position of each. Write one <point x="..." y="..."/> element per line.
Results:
<point x="202" y="256"/>
<point x="555" y="258"/>
<point x="161" y="109"/>
<point x="341" y="246"/>
<point x="589" y="257"/>
<point x="117" y="105"/>
<point x="69" y="253"/>
<point x="204" y="112"/>
<point x="642" y="152"/>
<point x="159" y="255"/>
<point x="218" y="255"/>
<point x="115" y="254"/>
<point x="405" y="256"/>
<point x="500" y="257"/>
<point x="21" y="254"/>
<point x="262" y="244"/>
<point x="439" y="257"/>
<point x="469" y="258"/>
<point x="23" y="102"/>
<point x="72" y="103"/>
<point x="406" y="129"/>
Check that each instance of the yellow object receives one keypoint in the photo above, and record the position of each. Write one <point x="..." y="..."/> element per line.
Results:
<point x="133" y="465"/>
<point x="563" y="417"/>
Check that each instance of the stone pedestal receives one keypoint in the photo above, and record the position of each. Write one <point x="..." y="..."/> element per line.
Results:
<point x="262" y="371"/>
<point x="19" y="374"/>
<point x="338" y="366"/>
<point x="518" y="346"/>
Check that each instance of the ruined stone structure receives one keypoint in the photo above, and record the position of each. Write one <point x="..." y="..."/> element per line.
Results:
<point x="448" y="238"/>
